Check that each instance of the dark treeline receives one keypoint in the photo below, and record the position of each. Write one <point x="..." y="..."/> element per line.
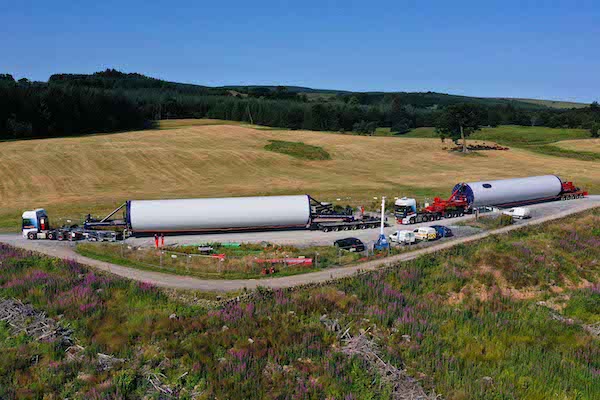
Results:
<point x="112" y="101"/>
<point x="40" y="110"/>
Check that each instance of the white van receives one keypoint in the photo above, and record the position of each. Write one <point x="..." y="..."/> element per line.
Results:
<point x="518" y="212"/>
<point x="426" y="233"/>
<point x="403" y="237"/>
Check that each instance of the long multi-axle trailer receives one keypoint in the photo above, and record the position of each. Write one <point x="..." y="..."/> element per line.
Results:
<point x="147" y="217"/>
<point x="466" y="197"/>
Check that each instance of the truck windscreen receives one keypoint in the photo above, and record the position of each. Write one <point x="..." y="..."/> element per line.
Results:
<point x="29" y="223"/>
<point x="402" y="211"/>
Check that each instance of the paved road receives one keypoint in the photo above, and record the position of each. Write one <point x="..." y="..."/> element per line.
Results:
<point x="63" y="250"/>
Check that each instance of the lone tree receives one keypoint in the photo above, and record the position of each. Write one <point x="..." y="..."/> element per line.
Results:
<point x="459" y="121"/>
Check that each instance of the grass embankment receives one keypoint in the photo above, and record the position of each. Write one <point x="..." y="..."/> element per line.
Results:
<point x="298" y="150"/>
<point x="73" y="176"/>
<point x="502" y="318"/>
<point x="488" y="222"/>
<point x="238" y="263"/>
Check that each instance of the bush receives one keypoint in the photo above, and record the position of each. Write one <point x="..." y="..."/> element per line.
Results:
<point x="594" y="130"/>
<point x="298" y="150"/>
<point x="505" y="220"/>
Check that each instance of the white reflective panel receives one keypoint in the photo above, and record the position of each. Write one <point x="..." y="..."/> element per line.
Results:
<point x="507" y="191"/>
<point x="218" y="213"/>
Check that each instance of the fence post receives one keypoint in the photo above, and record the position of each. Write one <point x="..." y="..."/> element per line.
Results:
<point x="187" y="266"/>
<point x="161" y="254"/>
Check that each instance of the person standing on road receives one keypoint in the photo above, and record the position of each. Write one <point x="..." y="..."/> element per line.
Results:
<point x="156" y="240"/>
<point x="162" y="240"/>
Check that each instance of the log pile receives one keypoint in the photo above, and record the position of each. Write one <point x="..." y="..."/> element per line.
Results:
<point x="478" y="146"/>
<point x="23" y="318"/>
<point x="403" y="386"/>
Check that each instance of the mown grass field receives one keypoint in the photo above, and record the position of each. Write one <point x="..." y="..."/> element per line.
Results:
<point x="509" y="317"/>
<point x="73" y="176"/>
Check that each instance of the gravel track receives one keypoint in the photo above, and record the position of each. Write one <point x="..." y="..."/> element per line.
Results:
<point x="65" y="251"/>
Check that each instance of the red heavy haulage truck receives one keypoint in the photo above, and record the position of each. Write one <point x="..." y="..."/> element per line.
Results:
<point x="466" y="197"/>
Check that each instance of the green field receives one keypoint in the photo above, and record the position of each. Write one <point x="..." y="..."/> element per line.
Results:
<point x="514" y="135"/>
<point x="506" y="317"/>
<point x="538" y="139"/>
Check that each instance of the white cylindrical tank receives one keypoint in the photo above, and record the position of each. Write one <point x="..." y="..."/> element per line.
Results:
<point x="189" y="215"/>
<point x="506" y="192"/>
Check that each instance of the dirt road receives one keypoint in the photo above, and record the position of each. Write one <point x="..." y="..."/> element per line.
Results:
<point x="63" y="250"/>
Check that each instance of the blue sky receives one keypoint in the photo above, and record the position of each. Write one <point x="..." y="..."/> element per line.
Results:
<point x="538" y="49"/>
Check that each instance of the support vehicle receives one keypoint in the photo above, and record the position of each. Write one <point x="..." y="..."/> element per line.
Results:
<point x="518" y="213"/>
<point x="426" y="233"/>
<point x="403" y="237"/>
<point x="350" y="244"/>
<point x="442" y="231"/>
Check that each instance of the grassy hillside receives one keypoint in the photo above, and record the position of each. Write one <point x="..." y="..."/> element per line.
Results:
<point x="418" y="99"/>
<point x="508" y="317"/>
<point x="74" y="176"/>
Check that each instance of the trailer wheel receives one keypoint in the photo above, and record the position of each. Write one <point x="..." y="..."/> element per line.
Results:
<point x="346" y="228"/>
<point x="363" y="226"/>
<point x="412" y="220"/>
<point x="51" y="236"/>
<point x="325" y="229"/>
<point x="461" y="214"/>
<point x="354" y="227"/>
<point x="438" y="217"/>
<point x="31" y="235"/>
<point x="335" y="229"/>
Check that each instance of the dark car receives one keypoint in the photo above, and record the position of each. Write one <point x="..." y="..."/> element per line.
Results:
<point x="350" y="244"/>
<point x="442" y="231"/>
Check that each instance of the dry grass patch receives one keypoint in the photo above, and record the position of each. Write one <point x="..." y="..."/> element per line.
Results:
<point x="592" y="145"/>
